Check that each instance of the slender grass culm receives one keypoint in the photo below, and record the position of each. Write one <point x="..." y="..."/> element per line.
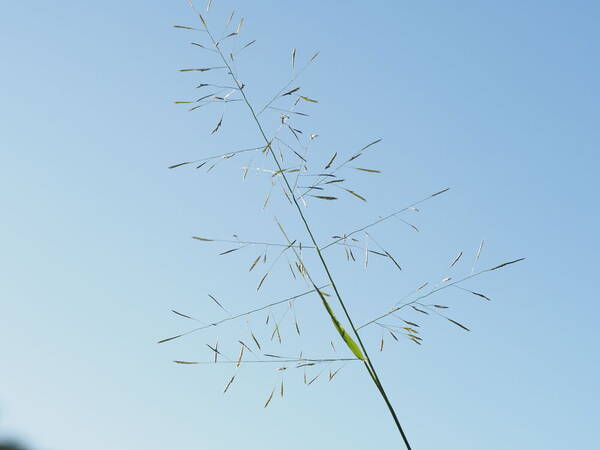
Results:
<point x="326" y="182"/>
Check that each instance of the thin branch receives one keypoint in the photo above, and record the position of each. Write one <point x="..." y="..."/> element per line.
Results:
<point x="433" y="291"/>
<point x="382" y="219"/>
<point x="222" y="155"/>
<point x="237" y="316"/>
<point x="271" y="361"/>
<point x="286" y="86"/>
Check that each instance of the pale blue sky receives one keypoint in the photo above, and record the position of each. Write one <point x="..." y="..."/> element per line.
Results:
<point x="497" y="100"/>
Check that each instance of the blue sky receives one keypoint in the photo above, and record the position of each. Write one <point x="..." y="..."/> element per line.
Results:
<point x="497" y="100"/>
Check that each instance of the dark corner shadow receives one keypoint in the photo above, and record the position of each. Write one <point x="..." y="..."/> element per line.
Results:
<point x="11" y="445"/>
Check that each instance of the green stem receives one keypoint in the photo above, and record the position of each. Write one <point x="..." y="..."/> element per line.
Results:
<point x="368" y="363"/>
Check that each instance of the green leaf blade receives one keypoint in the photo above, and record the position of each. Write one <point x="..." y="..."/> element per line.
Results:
<point x="354" y="348"/>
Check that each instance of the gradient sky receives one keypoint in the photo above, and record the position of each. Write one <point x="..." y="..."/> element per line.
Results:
<point x="497" y="100"/>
